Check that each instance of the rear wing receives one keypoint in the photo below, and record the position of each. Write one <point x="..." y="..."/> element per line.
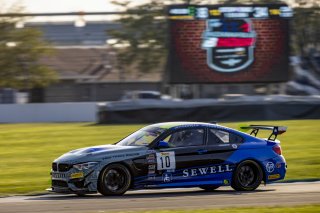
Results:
<point x="276" y="130"/>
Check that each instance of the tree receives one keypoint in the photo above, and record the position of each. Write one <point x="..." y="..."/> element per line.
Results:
<point x="142" y="41"/>
<point x="20" y="51"/>
<point x="306" y="27"/>
<point x="143" y="34"/>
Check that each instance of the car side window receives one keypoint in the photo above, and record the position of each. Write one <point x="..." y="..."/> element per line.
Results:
<point x="222" y="137"/>
<point x="187" y="137"/>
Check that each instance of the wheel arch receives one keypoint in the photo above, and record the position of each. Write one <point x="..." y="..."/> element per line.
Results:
<point x="119" y="162"/>
<point x="257" y="162"/>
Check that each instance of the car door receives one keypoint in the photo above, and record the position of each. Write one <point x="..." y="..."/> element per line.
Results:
<point x="221" y="144"/>
<point x="179" y="164"/>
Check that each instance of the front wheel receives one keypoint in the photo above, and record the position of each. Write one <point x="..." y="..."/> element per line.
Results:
<point x="114" y="180"/>
<point x="247" y="176"/>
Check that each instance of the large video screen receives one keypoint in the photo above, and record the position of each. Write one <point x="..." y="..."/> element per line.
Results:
<point x="229" y="44"/>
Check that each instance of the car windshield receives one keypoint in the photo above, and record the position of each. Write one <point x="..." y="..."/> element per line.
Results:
<point x="142" y="137"/>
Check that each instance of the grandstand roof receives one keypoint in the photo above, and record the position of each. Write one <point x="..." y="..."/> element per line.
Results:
<point x="82" y="54"/>
<point x="93" y="64"/>
<point x="66" y="33"/>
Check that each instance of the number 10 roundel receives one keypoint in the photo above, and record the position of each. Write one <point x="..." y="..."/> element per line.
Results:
<point x="166" y="160"/>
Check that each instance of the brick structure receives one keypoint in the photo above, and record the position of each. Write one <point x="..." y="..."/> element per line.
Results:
<point x="188" y="61"/>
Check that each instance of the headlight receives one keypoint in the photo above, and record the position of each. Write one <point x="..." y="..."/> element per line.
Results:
<point x="83" y="166"/>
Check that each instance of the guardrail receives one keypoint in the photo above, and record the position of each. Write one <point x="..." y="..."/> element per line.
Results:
<point x="48" y="112"/>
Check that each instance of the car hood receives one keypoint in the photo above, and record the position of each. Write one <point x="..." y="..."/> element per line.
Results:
<point x="101" y="153"/>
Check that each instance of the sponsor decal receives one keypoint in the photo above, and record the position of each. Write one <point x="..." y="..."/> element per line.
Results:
<point x="77" y="175"/>
<point x="152" y="169"/>
<point x="179" y="11"/>
<point x="234" y="146"/>
<point x="151" y="158"/>
<point x="186" y="126"/>
<point x="166" y="160"/>
<point x="150" y="151"/>
<point x="286" y="12"/>
<point x="129" y="155"/>
<point x="229" y="44"/>
<point x="166" y="177"/>
<point x="218" y="11"/>
<point x="274" y="176"/>
<point x="270" y="167"/>
<point x="226" y="182"/>
<point x="202" y="12"/>
<point x="261" y="12"/>
<point x="181" y="17"/>
<point x="215" y="12"/>
<point x="206" y="170"/>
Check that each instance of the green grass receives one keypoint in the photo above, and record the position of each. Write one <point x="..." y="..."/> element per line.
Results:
<point x="27" y="150"/>
<point x="274" y="209"/>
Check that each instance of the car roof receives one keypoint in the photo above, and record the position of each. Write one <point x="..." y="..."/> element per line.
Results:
<point x="186" y="124"/>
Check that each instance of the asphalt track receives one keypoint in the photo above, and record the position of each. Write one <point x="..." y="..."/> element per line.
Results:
<point x="192" y="198"/>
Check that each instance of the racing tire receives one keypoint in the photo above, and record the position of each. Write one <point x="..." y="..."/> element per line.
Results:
<point x="209" y="188"/>
<point x="114" y="180"/>
<point x="247" y="176"/>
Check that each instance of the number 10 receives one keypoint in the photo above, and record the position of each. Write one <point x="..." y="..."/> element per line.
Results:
<point x="166" y="162"/>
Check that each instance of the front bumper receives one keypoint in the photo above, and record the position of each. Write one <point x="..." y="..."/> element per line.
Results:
<point x="73" y="181"/>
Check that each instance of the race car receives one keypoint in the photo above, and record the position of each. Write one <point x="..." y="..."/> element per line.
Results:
<point x="174" y="154"/>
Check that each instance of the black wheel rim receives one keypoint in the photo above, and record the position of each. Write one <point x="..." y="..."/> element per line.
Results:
<point x="115" y="180"/>
<point x="247" y="176"/>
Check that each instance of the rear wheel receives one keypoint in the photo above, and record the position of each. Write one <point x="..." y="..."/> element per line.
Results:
<point x="247" y="176"/>
<point x="114" y="180"/>
<point x="209" y="188"/>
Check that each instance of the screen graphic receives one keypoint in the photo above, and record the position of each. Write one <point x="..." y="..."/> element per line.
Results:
<point x="228" y="44"/>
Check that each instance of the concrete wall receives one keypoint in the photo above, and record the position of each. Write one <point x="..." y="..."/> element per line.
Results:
<point x="48" y="112"/>
<point x="63" y="91"/>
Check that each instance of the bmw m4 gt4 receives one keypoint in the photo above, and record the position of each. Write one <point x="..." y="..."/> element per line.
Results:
<point x="174" y="154"/>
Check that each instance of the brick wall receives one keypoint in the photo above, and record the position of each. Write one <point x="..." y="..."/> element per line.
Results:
<point x="188" y="61"/>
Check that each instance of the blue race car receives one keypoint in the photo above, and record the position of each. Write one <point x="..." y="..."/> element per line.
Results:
<point x="174" y="154"/>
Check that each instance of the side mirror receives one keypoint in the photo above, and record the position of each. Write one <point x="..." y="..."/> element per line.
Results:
<point x="163" y="144"/>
